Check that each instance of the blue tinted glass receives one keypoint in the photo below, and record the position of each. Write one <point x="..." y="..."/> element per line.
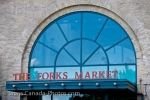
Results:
<point x="83" y="39"/>
<point x="125" y="72"/>
<point x="88" y="48"/>
<point x="122" y="53"/>
<point x="33" y="74"/>
<point x="62" y="97"/>
<point x="74" y="49"/>
<point x="71" y="26"/>
<point x="94" y="72"/>
<point x="53" y="37"/>
<point x="92" y="24"/>
<point x="98" y="57"/>
<point x="111" y="34"/>
<point x="65" y="58"/>
<point x="42" y="56"/>
<point x="70" y="72"/>
<point x="41" y="73"/>
<point x="128" y="51"/>
<point x="46" y="97"/>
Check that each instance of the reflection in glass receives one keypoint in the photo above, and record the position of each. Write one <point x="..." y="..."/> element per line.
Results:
<point x="71" y="26"/>
<point x="92" y="24"/>
<point x="47" y="97"/>
<point x="53" y="37"/>
<point x="94" y="72"/>
<point x="122" y="53"/>
<point x="128" y="53"/>
<point x="42" y="56"/>
<point x="65" y="58"/>
<point x="41" y="73"/>
<point x="111" y="34"/>
<point x="98" y="57"/>
<point x="125" y="72"/>
<point x="74" y="49"/>
<point x="70" y="72"/>
<point x="88" y="48"/>
<point x="83" y="41"/>
<point x="65" y="97"/>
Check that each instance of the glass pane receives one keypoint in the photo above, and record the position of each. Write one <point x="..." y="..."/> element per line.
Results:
<point x="87" y="48"/>
<point x="122" y="53"/>
<point x="46" y="97"/>
<point x="53" y="37"/>
<point x="62" y="97"/>
<point x="128" y="52"/>
<point x="94" y="72"/>
<point x="125" y="72"/>
<point x="56" y="39"/>
<point x="111" y="34"/>
<point x="74" y="49"/>
<point x="42" y="56"/>
<point x="68" y="72"/>
<point x="41" y="73"/>
<point x="71" y="25"/>
<point x="92" y="24"/>
<point x="83" y="97"/>
<point x="65" y="58"/>
<point x="98" y="57"/>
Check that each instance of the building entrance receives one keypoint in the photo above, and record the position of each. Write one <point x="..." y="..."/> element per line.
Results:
<point x="81" y="51"/>
<point x="89" y="96"/>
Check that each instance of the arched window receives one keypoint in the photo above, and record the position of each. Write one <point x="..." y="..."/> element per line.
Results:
<point x="83" y="44"/>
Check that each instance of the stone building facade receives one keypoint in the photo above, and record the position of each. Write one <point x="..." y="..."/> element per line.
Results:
<point x="21" y="21"/>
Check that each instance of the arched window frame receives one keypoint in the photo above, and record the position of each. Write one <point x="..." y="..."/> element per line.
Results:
<point x="81" y="26"/>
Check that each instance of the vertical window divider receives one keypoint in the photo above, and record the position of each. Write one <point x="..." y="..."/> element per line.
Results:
<point x="81" y="33"/>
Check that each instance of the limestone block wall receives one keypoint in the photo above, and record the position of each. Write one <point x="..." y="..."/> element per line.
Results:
<point x="22" y="20"/>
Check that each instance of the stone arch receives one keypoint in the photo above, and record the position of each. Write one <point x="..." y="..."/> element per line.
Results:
<point x="73" y="8"/>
